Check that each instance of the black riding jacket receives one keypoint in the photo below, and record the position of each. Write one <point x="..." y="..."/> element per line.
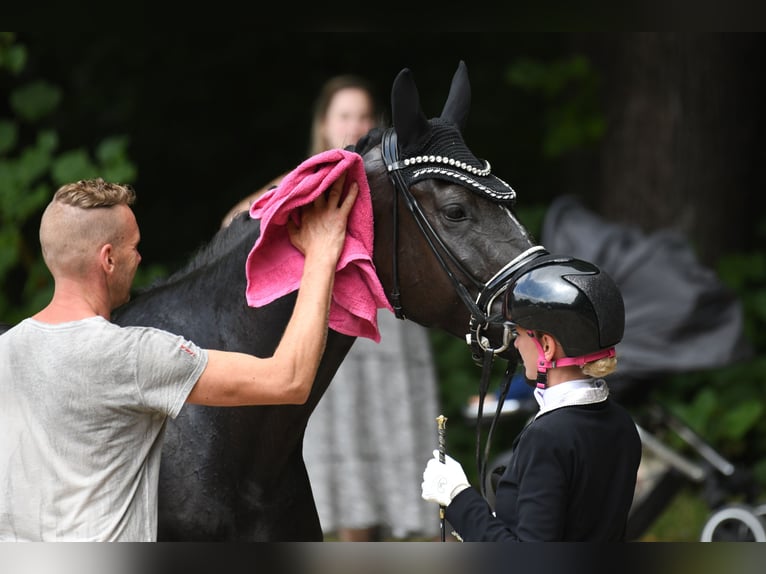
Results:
<point x="571" y="477"/>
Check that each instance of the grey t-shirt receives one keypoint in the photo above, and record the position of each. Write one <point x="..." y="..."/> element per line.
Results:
<point x="83" y="407"/>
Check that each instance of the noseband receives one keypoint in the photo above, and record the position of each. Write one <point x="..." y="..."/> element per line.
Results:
<point x="480" y="309"/>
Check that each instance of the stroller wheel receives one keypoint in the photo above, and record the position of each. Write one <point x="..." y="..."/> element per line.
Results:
<point x="734" y="523"/>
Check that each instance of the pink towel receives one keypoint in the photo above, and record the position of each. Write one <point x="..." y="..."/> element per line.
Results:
<point x="274" y="266"/>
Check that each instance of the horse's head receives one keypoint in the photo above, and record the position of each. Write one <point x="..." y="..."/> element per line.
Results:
<point x="446" y="237"/>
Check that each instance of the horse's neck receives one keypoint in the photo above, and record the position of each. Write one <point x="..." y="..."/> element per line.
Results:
<point x="208" y="294"/>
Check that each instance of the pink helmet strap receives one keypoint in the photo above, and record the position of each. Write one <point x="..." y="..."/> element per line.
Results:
<point x="582" y="359"/>
<point x="543" y="364"/>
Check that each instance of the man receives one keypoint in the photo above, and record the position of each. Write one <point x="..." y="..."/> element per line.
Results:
<point x="83" y="402"/>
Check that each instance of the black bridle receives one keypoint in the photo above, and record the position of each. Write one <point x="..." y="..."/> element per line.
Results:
<point x="480" y="310"/>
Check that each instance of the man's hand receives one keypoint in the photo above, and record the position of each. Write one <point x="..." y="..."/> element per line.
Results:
<point x="322" y="228"/>
<point x="442" y="481"/>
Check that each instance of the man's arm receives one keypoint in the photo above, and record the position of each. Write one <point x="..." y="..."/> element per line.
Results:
<point x="232" y="379"/>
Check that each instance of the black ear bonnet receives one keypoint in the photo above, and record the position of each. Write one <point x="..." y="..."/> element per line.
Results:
<point x="434" y="149"/>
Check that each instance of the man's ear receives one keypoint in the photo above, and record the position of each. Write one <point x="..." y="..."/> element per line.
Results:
<point x="106" y="257"/>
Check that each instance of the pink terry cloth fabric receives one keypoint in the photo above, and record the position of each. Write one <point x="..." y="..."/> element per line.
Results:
<point x="274" y="266"/>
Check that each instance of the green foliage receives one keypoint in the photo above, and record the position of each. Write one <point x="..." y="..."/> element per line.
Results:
<point x="32" y="165"/>
<point x="34" y="101"/>
<point x="21" y="189"/>
<point x="111" y="163"/>
<point x="570" y="87"/>
<point x="9" y="248"/>
<point x="745" y="273"/>
<point x="726" y="405"/>
<point x="8" y="136"/>
<point x="13" y="56"/>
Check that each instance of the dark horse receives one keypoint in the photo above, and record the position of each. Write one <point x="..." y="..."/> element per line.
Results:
<point x="441" y="251"/>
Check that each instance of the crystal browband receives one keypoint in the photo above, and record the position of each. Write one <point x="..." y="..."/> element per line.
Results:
<point x="464" y="178"/>
<point x="441" y="159"/>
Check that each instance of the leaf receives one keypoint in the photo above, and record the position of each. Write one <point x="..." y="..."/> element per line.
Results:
<point x="16" y="58"/>
<point x="33" y="164"/>
<point x="13" y="57"/>
<point x="33" y="201"/>
<point x="9" y="248"/>
<point x="35" y="100"/>
<point x="47" y="141"/>
<point x="9" y="135"/>
<point x="9" y="189"/>
<point x="73" y="166"/>
<point x="115" y="165"/>
<point x="698" y="413"/>
<point x="112" y="150"/>
<point x="736" y="422"/>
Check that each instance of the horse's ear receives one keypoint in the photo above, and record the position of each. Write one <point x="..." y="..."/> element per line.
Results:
<point x="409" y="120"/>
<point x="459" y="98"/>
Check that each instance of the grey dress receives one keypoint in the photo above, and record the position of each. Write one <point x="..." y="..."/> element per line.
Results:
<point x="372" y="432"/>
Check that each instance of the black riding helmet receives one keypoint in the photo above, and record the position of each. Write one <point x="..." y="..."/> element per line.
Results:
<point x="571" y="299"/>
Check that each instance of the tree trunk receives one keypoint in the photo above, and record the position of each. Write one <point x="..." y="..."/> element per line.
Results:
<point x="681" y="148"/>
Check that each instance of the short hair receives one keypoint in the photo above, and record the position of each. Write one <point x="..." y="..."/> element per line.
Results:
<point x="90" y="193"/>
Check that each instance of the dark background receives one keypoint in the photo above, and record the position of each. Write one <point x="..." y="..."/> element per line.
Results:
<point x="212" y="118"/>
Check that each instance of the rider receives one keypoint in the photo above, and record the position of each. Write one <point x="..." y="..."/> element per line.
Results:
<point x="572" y="473"/>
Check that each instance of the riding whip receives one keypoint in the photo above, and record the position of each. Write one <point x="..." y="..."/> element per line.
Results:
<point x="441" y="421"/>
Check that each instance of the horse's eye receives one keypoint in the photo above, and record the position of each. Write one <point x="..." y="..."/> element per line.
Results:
<point x="454" y="211"/>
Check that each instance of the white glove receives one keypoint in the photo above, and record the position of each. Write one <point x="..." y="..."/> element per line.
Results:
<point x="443" y="481"/>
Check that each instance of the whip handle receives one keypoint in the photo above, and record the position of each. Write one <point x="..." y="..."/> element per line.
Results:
<point x="441" y="421"/>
